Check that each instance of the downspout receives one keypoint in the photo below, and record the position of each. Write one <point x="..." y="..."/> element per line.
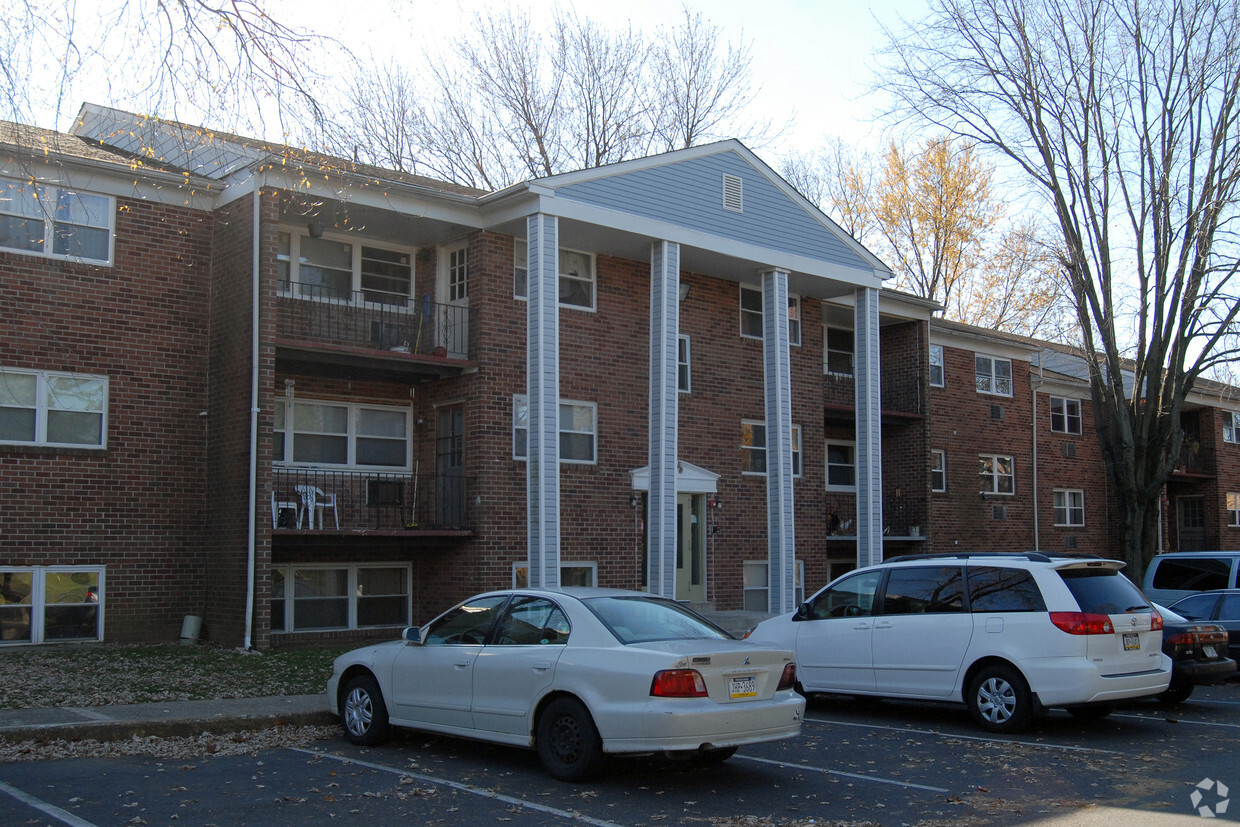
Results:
<point x="1034" y="385"/>
<point x="252" y="540"/>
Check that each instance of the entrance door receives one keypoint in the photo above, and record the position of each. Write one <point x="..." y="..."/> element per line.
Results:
<point x="691" y="547"/>
<point x="450" y="467"/>
<point x="452" y="323"/>
<point x="1192" y="523"/>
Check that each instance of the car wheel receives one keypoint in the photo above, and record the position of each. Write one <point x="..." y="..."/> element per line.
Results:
<point x="569" y="745"/>
<point x="711" y="757"/>
<point x="363" y="712"/>
<point x="1177" y="692"/>
<point x="1091" y="712"/>
<point x="999" y="699"/>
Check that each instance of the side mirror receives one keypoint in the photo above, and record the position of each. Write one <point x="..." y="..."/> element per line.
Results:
<point x="804" y="612"/>
<point x="412" y="634"/>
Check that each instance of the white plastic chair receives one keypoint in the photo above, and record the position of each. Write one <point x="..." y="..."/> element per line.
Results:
<point x="278" y="506"/>
<point x="315" y="501"/>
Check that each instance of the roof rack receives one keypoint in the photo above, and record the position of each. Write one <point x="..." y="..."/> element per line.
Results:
<point x="1032" y="556"/>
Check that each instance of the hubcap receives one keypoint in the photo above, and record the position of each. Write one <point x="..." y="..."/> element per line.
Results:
<point x="996" y="700"/>
<point x="566" y="739"/>
<point x="358" y="712"/>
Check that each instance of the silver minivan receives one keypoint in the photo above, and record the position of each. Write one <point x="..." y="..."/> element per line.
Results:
<point x="1178" y="574"/>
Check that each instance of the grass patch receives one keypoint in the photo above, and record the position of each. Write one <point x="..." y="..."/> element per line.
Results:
<point x="95" y="675"/>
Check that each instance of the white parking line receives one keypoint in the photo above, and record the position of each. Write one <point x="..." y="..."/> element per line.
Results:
<point x="1176" y="720"/>
<point x="49" y="810"/>
<point x="456" y="785"/>
<point x="877" y="779"/>
<point x="1066" y="747"/>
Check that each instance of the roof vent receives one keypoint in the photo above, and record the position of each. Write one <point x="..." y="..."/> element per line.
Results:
<point x="733" y="195"/>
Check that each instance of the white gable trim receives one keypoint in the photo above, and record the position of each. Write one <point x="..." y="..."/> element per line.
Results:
<point x="690" y="479"/>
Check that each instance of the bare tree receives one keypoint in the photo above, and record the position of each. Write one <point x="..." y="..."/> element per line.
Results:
<point x="840" y="181"/>
<point x="1124" y="115"/>
<point x="231" y="61"/>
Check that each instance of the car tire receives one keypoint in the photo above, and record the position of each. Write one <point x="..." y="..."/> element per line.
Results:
<point x="363" y="712"/>
<point x="999" y="699"/>
<point x="1176" y="693"/>
<point x="569" y="745"/>
<point x="1091" y="712"/>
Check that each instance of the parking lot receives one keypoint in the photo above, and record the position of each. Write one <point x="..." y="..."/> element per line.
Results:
<point x="884" y="762"/>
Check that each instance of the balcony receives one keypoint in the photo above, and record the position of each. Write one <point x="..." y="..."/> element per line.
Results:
<point x="351" y="502"/>
<point x="370" y="325"/>
<point x="903" y="519"/>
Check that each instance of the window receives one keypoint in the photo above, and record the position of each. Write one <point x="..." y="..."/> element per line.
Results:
<point x="1233" y="510"/>
<point x="54" y="409"/>
<point x="997" y="473"/>
<point x="571" y="574"/>
<point x="577" y="278"/>
<point x="326" y="268"/>
<point x="994" y="375"/>
<point x="578" y="430"/>
<point x="938" y="470"/>
<point x="751" y="315"/>
<point x="924" y="590"/>
<point x="851" y="597"/>
<point x="1231" y="427"/>
<point x="363" y="596"/>
<point x="40" y="604"/>
<point x="937" y="376"/>
<point x="468" y="624"/>
<point x="756" y="584"/>
<point x="841" y="466"/>
<point x="994" y="589"/>
<point x="532" y="621"/>
<point x="457" y="264"/>
<point x="335" y="433"/>
<point x="1065" y="415"/>
<point x="753" y="448"/>
<point x="79" y="224"/>
<point x="684" y="382"/>
<point x="839" y="349"/>
<point x="1069" y="507"/>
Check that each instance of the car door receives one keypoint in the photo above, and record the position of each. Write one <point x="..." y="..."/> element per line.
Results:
<point x="922" y="632"/>
<point x="519" y="663"/>
<point x="432" y="682"/>
<point x="833" y="641"/>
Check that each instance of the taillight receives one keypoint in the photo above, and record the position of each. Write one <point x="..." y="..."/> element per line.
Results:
<point x="1156" y="621"/>
<point x="1181" y="639"/>
<point x="678" y="683"/>
<point x="1083" y="623"/>
<point x="788" y="680"/>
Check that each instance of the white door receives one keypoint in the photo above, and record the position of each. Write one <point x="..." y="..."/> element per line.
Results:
<point x="452" y="315"/>
<point x="833" y="646"/>
<point x="691" y="547"/>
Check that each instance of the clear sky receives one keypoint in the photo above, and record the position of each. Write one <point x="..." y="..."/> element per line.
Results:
<point x="812" y="58"/>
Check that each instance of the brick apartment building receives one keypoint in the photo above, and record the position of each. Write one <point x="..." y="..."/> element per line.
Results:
<point x="304" y="399"/>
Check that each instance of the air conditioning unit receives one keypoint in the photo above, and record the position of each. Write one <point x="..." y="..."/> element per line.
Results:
<point x="996" y="412"/>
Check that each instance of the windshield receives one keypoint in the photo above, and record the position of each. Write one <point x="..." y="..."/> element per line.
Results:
<point x="643" y="619"/>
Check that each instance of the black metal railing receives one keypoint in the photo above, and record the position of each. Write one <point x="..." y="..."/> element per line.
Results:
<point x="382" y="321"/>
<point x="901" y="517"/>
<point x="313" y="499"/>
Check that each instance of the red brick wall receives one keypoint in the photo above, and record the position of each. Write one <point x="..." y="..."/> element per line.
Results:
<point x="1074" y="461"/>
<point x="137" y="507"/>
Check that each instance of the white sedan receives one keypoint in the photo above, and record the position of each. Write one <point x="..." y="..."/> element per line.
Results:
<point x="575" y="674"/>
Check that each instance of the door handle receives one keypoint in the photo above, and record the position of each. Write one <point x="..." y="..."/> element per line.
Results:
<point x="542" y="666"/>
<point x="884" y="625"/>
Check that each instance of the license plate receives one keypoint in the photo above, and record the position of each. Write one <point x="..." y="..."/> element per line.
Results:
<point x="743" y="688"/>
<point x="1209" y="651"/>
<point x="1132" y="640"/>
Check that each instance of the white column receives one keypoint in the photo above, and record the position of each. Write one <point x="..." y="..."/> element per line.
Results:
<point x="869" y="431"/>
<point x="542" y="378"/>
<point x="780" y="512"/>
<point x="664" y="413"/>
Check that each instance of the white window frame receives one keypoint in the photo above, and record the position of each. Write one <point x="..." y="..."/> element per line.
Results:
<point x="1069" y="505"/>
<point x="938" y="379"/>
<point x="521" y="274"/>
<point x="828" y="465"/>
<point x="993" y="478"/>
<point x="1065" y="415"/>
<point x="752" y="450"/>
<point x="794" y="315"/>
<point x="354" y="409"/>
<point x="938" y="470"/>
<point x="351" y="593"/>
<point x="520" y="401"/>
<point x="827" y="351"/>
<point x="38" y="601"/>
<point x="1231" y="427"/>
<point x="521" y="572"/>
<point x="684" y="365"/>
<point x="45" y="381"/>
<point x="989" y="380"/>
<point x="756" y="584"/>
<point x="357" y="293"/>
<point x="1232" y="504"/>
<point x="44" y="208"/>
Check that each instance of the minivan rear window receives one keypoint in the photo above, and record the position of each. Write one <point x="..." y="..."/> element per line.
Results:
<point x="1194" y="574"/>
<point x="1103" y="591"/>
